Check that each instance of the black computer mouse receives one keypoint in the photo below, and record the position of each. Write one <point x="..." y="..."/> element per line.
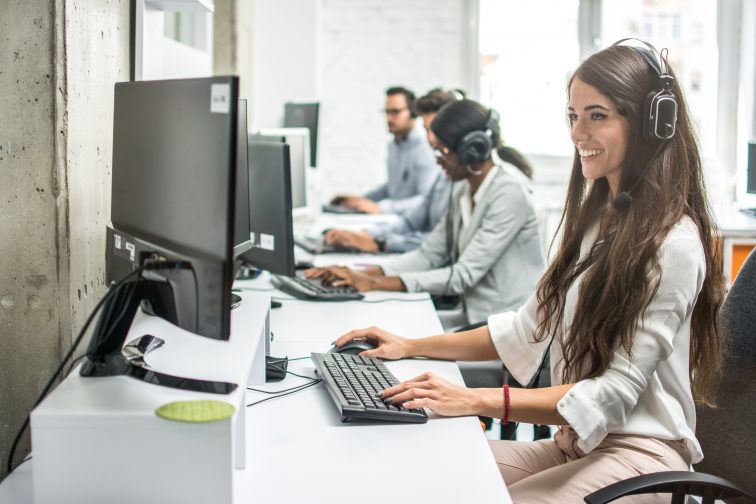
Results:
<point x="353" y="347"/>
<point x="303" y="265"/>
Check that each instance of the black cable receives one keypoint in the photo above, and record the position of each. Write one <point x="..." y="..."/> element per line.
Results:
<point x="73" y="364"/>
<point x="294" y="390"/>
<point x="393" y="299"/>
<point x="276" y="298"/>
<point x="450" y="245"/>
<point x="196" y="298"/>
<point x="285" y="371"/>
<point x="276" y="392"/>
<point x="286" y="391"/>
<point x="124" y="311"/>
<point x="286" y="359"/>
<point x="149" y="264"/>
<point x="117" y="287"/>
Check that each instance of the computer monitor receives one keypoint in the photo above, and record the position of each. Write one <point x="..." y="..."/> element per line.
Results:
<point x="299" y="147"/>
<point x="304" y="115"/>
<point x="241" y="216"/>
<point x="174" y="195"/>
<point x="751" y="182"/>
<point x="270" y="208"/>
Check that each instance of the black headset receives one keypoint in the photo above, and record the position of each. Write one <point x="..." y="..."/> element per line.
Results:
<point x="659" y="111"/>
<point x="410" y="97"/>
<point x="475" y="147"/>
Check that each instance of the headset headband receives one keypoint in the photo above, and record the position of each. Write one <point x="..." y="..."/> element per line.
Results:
<point x="650" y="55"/>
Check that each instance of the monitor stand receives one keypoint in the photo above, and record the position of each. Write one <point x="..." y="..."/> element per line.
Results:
<point x="107" y="355"/>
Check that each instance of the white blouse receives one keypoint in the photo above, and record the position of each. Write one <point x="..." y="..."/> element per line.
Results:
<point x="648" y="395"/>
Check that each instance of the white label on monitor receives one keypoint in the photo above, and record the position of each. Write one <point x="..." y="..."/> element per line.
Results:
<point x="117" y="239"/>
<point x="132" y="249"/>
<point x="267" y="241"/>
<point x="220" y="98"/>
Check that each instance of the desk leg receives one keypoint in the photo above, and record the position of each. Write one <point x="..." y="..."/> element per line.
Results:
<point x="240" y="441"/>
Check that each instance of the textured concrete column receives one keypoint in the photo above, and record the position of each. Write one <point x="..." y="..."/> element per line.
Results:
<point x="224" y="37"/>
<point x="58" y="63"/>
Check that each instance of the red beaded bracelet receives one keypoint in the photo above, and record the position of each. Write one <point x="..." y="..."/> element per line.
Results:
<point x="505" y="418"/>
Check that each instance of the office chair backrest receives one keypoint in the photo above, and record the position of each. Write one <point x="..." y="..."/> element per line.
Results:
<point x="727" y="433"/>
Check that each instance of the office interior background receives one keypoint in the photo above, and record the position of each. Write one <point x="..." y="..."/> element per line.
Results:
<point x="60" y="60"/>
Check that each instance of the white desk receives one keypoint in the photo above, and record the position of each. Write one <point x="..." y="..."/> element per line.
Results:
<point x="299" y="451"/>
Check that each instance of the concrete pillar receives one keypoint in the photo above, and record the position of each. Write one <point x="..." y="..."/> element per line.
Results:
<point x="224" y="37"/>
<point x="58" y="63"/>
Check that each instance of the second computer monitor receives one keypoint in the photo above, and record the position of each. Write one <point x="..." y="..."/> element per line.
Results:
<point x="241" y="215"/>
<point x="298" y="140"/>
<point x="304" y="115"/>
<point x="270" y="216"/>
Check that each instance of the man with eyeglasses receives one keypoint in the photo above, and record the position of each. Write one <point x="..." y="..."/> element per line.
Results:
<point x="411" y="164"/>
<point x="408" y="232"/>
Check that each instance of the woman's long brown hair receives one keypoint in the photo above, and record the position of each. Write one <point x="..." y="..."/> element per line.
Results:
<point x="617" y="286"/>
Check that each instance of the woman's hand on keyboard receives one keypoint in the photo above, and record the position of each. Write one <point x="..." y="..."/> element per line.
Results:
<point x="339" y="276"/>
<point x="388" y="345"/>
<point x="435" y="393"/>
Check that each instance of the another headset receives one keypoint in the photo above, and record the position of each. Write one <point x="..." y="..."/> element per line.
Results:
<point x="475" y="147"/>
<point x="659" y="112"/>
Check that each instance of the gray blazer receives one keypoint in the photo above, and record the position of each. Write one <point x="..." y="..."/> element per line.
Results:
<point x="499" y="259"/>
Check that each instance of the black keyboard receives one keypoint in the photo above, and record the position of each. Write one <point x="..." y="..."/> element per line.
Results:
<point x="338" y="209"/>
<point x="749" y="211"/>
<point x="318" y="246"/>
<point x="354" y="382"/>
<point x="314" y="289"/>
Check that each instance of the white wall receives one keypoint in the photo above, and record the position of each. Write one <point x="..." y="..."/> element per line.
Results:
<point x="345" y="53"/>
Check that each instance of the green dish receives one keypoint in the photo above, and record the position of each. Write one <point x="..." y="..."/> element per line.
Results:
<point x="202" y="411"/>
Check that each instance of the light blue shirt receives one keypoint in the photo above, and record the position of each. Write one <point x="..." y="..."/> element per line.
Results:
<point x="411" y="171"/>
<point x="416" y="223"/>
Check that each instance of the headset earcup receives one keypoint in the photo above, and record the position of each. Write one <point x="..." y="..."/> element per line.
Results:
<point x="659" y="116"/>
<point x="649" y="118"/>
<point x="474" y="148"/>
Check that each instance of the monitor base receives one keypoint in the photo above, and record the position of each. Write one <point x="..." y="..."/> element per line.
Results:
<point x="107" y="356"/>
<point x="130" y="362"/>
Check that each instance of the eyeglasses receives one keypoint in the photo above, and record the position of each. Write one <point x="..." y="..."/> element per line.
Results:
<point x="394" y="111"/>
<point x="441" y="152"/>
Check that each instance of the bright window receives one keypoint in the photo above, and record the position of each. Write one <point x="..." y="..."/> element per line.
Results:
<point x="528" y="50"/>
<point x="688" y="29"/>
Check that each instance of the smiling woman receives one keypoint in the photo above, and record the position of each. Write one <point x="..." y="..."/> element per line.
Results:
<point x="627" y="308"/>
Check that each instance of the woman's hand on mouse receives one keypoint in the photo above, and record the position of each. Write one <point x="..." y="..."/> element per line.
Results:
<point x="388" y="346"/>
<point x="435" y="393"/>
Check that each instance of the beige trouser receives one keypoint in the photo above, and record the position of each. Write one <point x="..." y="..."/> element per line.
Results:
<point x="556" y="470"/>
